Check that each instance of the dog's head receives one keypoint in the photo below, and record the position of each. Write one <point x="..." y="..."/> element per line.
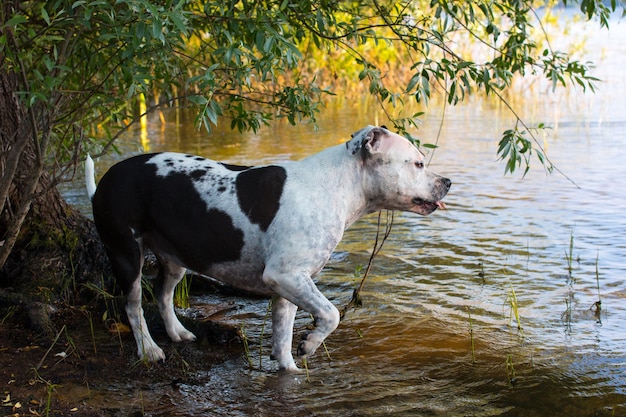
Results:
<point x="394" y="174"/>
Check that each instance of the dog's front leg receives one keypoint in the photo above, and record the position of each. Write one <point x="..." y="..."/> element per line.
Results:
<point x="283" y="316"/>
<point x="301" y="291"/>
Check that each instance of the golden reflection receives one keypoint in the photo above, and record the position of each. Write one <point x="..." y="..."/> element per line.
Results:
<point x="143" y="123"/>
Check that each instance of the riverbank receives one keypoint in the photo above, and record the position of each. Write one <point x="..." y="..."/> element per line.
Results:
<point x="79" y="373"/>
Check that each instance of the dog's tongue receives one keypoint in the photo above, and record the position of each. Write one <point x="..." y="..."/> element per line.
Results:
<point x="441" y="205"/>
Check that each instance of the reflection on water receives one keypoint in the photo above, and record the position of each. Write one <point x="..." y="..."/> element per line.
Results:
<point x="407" y="351"/>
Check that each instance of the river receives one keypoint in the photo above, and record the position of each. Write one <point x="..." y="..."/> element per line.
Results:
<point x="437" y="333"/>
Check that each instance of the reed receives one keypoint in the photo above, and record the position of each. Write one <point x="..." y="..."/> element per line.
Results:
<point x="481" y="273"/>
<point x="514" y="309"/>
<point x="569" y="257"/>
<point x="246" y="347"/>
<point x="267" y="314"/>
<point x="510" y="370"/>
<point x="567" y="314"/>
<point x="306" y="369"/>
<point x="327" y="352"/>
<point x="93" y="334"/>
<point x="597" y="306"/>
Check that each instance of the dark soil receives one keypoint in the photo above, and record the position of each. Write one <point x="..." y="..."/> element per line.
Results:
<point x="72" y="375"/>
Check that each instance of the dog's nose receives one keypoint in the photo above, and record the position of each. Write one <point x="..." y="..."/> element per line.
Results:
<point x="447" y="183"/>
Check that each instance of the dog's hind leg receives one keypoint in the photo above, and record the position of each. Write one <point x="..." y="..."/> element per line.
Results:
<point x="170" y="275"/>
<point x="126" y="255"/>
<point x="147" y="349"/>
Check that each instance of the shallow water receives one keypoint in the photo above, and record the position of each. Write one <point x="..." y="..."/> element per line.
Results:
<point x="408" y="349"/>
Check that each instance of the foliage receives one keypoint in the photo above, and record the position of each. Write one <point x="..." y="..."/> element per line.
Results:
<point x="252" y="61"/>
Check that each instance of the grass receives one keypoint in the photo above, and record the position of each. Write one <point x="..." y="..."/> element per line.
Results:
<point x="181" y="292"/>
<point x="93" y="334"/>
<point x="50" y="388"/>
<point x="10" y="313"/>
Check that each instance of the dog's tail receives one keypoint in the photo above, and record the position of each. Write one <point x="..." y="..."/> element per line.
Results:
<point x="90" y="180"/>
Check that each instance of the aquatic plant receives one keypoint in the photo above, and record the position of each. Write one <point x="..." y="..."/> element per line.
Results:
<point x="510" y="370"/>
<point x="597" y="306"/>
<point x="481" y="273"/>
<point x="514" y="309"/>
<point x="566" y="317"/>
<point x="569" y="257"/>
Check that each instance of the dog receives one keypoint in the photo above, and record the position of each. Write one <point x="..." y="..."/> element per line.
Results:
<point x="266" y="229"/>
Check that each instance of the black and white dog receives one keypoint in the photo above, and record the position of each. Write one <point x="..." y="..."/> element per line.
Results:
<point x="266" y="229"/>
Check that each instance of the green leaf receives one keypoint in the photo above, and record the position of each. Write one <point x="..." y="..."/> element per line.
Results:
<point x="17" y="20"/>
<point x="199" y="100"/>
<point x="44" y="15"/>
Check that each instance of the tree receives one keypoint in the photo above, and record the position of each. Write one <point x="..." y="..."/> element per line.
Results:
<point x="69" y="69"/>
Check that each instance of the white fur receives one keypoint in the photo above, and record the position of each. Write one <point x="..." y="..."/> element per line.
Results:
<point x="322" y="195"/>
<point x="90" y="180"/>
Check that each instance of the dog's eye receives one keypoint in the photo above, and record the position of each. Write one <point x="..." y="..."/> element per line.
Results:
<point x="419" y="164"/>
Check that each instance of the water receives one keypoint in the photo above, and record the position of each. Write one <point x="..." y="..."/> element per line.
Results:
<point x="408" y="350"/>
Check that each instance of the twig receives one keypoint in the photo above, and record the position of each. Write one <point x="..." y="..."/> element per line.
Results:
<point x="50" y="348"/>
<point x="356" y="295"/>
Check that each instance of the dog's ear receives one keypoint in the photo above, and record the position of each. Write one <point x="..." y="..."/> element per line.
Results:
<point x="366" y="140"/>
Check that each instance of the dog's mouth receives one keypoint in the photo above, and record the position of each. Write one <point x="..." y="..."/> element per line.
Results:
<point x="428" y="207"/>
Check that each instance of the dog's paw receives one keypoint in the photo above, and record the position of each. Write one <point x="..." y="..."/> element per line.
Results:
<point x="152" y="354"/>
<point x="292" y="370"/>
<point x="178" y="333"/>
<point x="307" y="345"/>
<point x="185" y="335"/>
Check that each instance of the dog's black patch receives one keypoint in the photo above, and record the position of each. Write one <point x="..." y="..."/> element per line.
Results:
<point x="167" y="212"/>
<point x="259" y="191"/>
<point x="198" y="173"/>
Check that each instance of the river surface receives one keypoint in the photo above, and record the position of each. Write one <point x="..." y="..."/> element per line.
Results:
<point x="437" y="334"/>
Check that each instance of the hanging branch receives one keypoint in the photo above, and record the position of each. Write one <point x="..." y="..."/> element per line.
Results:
<point x="356" y="295"/>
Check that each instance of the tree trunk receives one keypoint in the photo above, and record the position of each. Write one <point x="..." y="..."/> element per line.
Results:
<point x="48" y="250"/>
